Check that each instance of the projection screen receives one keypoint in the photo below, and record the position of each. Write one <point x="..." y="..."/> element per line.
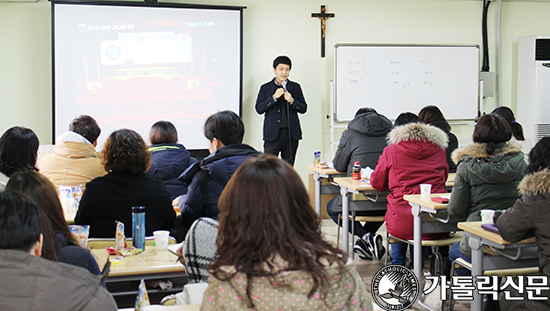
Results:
<point x="131" y="64"/>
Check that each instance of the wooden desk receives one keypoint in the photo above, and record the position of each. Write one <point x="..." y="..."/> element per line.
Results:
<point x="151" y="264"/>
<point x="480" y="238"/>
<point x="439" y="222"/>
<point x="348" y="185"/>
<point x="318" y="175"/>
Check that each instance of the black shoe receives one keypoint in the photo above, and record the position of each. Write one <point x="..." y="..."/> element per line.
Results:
<point x="375" y="245"/>
<point x="362" y="249"/>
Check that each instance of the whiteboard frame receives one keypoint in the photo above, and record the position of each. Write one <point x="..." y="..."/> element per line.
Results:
<point x="335" y="90"/>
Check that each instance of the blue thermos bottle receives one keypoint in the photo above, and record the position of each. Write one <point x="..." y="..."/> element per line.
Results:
<point x="138" y="227"/>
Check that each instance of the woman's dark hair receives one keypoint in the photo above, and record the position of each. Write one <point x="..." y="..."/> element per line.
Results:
<point x="87" y="127"/>
<point x="492" y="130"/>
<point x="508" y="115"/>
<point x="406" y="118"/>
<point x="18" y="150"/>
<point x="42" y="191"/>
<point x="265" y="214"/>
<point x="125" y="151"/>
<point x="430" y="114"/>
<point x="364" y="110"/>
<point x="21" y="223"/>
<point x="226" y="126"/>
<point x="163" y="132"/>
<point x="539" y="156"/>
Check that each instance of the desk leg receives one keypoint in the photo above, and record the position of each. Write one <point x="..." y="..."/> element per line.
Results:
<point x="345" y="218"/>
<point x="317" y="179"/>
<point x="477" y="269"/>
<point x="417" y="241"/>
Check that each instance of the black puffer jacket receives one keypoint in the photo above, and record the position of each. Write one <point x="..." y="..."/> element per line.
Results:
<point x="207" y="179"/>
<point x="168" y="162"/>
<point x="363" y="141"/>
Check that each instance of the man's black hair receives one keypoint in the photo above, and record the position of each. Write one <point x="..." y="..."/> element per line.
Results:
<point x="86" y="126"/>
<point x="282" y="60"/>
<point x="226" y="126"/>
<point x="20" y="222"/>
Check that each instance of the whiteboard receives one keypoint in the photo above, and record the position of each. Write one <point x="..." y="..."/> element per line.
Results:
<point x="398" y="78"/>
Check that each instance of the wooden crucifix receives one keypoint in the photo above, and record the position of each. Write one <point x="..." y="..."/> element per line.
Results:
<point x="323" y="16"/>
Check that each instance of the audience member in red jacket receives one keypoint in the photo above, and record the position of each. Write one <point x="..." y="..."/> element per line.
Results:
<point x="415" y="155"/>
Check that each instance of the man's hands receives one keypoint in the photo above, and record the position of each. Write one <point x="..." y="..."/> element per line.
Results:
<point x="280" y="92"/>
<point x="288" y="97"/>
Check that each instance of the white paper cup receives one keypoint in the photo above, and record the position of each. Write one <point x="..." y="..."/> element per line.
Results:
<point x="425" y="190"/>
<point x="161" y="238"/>
<point x="487" y="216"/>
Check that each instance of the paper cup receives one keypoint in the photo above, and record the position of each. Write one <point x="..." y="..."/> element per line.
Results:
<point x="161" y="238"/>
<point x="487" y="216"/>
<point x="425" y="190"/>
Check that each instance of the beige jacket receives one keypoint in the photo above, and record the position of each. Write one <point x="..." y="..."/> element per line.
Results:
<point x="288" y="291"/>
<point x="71" y="164"/>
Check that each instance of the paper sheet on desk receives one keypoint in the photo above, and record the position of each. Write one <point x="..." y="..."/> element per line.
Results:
<point x="366" y="172"/>
<point x="174" y="247"/>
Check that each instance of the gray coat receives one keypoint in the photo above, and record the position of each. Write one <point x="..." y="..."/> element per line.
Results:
<point x="363" y="141"/>
<point x="485" y="181"/>
<point x="34" y="283"/>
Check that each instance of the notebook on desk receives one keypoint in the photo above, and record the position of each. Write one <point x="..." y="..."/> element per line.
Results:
<point x="490" y="227"/>
<point x="441" y="199"/>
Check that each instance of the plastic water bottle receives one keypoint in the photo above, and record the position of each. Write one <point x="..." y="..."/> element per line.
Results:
<point x="356" y="172"/>
<point x="138" y="227"/>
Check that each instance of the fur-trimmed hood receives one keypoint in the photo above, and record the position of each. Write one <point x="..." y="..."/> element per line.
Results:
<point x="418" y="131"/>
<point x="479" y="151"/>
<point x="535" y="183"/>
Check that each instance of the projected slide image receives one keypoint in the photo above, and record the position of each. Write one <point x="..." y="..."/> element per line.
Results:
<point x="129" y="67"/>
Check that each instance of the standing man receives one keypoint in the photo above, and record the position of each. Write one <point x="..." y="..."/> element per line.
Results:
<point x="281" y="100"/>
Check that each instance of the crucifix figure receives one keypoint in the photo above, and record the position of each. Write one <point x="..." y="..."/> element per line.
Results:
<point x="323" y="16"/>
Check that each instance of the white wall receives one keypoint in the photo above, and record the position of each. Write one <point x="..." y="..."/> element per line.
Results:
<point x="272" y="28"/>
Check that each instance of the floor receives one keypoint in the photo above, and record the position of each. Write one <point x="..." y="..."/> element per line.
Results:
<point x="368" y="268"/>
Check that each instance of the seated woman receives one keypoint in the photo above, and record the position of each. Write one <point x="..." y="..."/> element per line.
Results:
<point x="111" y="197"/>
<point x="415" y="155"/>
<point x="487" y="176"/>
<point x="517" y="130"/>
<point x="433" y="116"/>
<point x="18" y="152"/>
<point x="271" y="252"/>
<point x="42" y="191"/>
<point x="531" y="215"/>
<point x="169" y="159"/>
